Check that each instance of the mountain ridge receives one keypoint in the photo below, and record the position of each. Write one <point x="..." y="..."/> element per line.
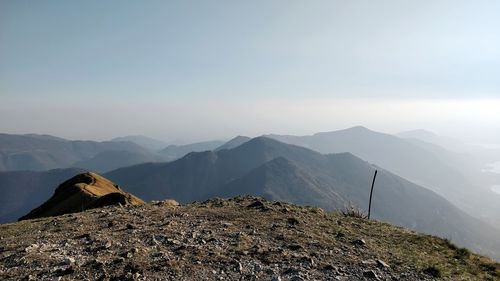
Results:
<point x="38" y="153"/>
<point x="147" y="142"/>
<point x="424" y="164"/>
<point x="343" y="177"/>
<point x="174" y="152"/>
<point x="244" y="238"/>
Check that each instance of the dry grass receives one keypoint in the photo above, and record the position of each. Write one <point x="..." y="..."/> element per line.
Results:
<point x="354" y="212"/>
<point x="212" y="235"/>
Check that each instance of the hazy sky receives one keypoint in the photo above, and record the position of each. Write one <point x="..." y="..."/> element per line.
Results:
<point x="212" y="69"/>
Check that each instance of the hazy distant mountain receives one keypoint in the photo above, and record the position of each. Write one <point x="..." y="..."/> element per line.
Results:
<point x="234" y="142"/>
<point x="279" y="171"/>
<point x="430" y="137"/>
<point x="173" y="152"/>
<point x="143" y="141"/>
<point x="464" y="162"/>
<point x="114" y="159"/>
<point x="21" y="191"/>
<point x="42" y="152"/>
<point x="45" y="137"/>
<point x="481" y="155"/>
<point x="395" y="154"/>
<point x="433" y="168"/>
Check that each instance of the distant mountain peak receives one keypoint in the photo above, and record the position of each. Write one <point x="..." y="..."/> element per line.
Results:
<point x="234" y="142"/>
<point x="355" y="129"/>
<point x="45" y="137"/>
<point x="240" y="137"/>
<point x="143" y="141"/>
<point x="173" y="152"/>
<point x="358" y="128"/>
<point x="267" y="142"/>
<point x="83" y="191"/>
<point x="263" y="139"/>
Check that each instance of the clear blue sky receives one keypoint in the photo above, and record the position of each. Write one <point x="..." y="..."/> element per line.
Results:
<point x="63" y="53"/>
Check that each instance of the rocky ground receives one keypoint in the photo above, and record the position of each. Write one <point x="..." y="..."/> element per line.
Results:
<point x="238" y="239"/>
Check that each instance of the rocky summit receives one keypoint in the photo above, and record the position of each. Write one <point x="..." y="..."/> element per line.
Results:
<point x="244" y="238"/>
<point x="81" y="192"/>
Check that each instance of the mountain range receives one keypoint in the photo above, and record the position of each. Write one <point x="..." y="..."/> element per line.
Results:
<point x="279" y="171"/>
<point x="173" y="152"/>
<point x="414" y="179"/>
<point x="454" y="176"/>
<point x="33" y="152"/>
<point x="234" y="142"/>
<point x="146" y="142"/>
<point x="42" y="152"/>
<point x="483" y="154"/>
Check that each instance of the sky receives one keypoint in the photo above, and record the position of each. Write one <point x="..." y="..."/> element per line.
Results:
<point x="199" y="70"/>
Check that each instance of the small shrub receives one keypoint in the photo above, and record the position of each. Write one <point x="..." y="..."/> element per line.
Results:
<point x="488" y="267"/>
<point x="293" y="221"/>
<point x="354" y="212"/>
<point x="315" y="210"/>
<point x="462" y="253"/>
<point x="450" y="244"/>
<point x="433" y="271"/>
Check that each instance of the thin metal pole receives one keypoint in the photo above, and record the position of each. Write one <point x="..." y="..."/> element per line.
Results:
<point x="371" y="193"/>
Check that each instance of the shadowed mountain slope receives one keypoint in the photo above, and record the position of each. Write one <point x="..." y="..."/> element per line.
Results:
<point x="451" y="175"/>
<point x="113" y="159"/>
<point x="234" y="142"/>
<point x="173" y="152"/>
<point x="143" y="141"/>
<point x="41" y="152"/>
<point x="279" y="171"/>
<point x="395" y="154"/>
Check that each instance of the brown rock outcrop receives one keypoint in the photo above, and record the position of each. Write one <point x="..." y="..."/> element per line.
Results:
<point x="84" y="191"/>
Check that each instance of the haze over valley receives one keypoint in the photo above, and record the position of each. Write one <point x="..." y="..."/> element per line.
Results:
<point x="261" y="140"/>
<point x="416" y="175"/>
